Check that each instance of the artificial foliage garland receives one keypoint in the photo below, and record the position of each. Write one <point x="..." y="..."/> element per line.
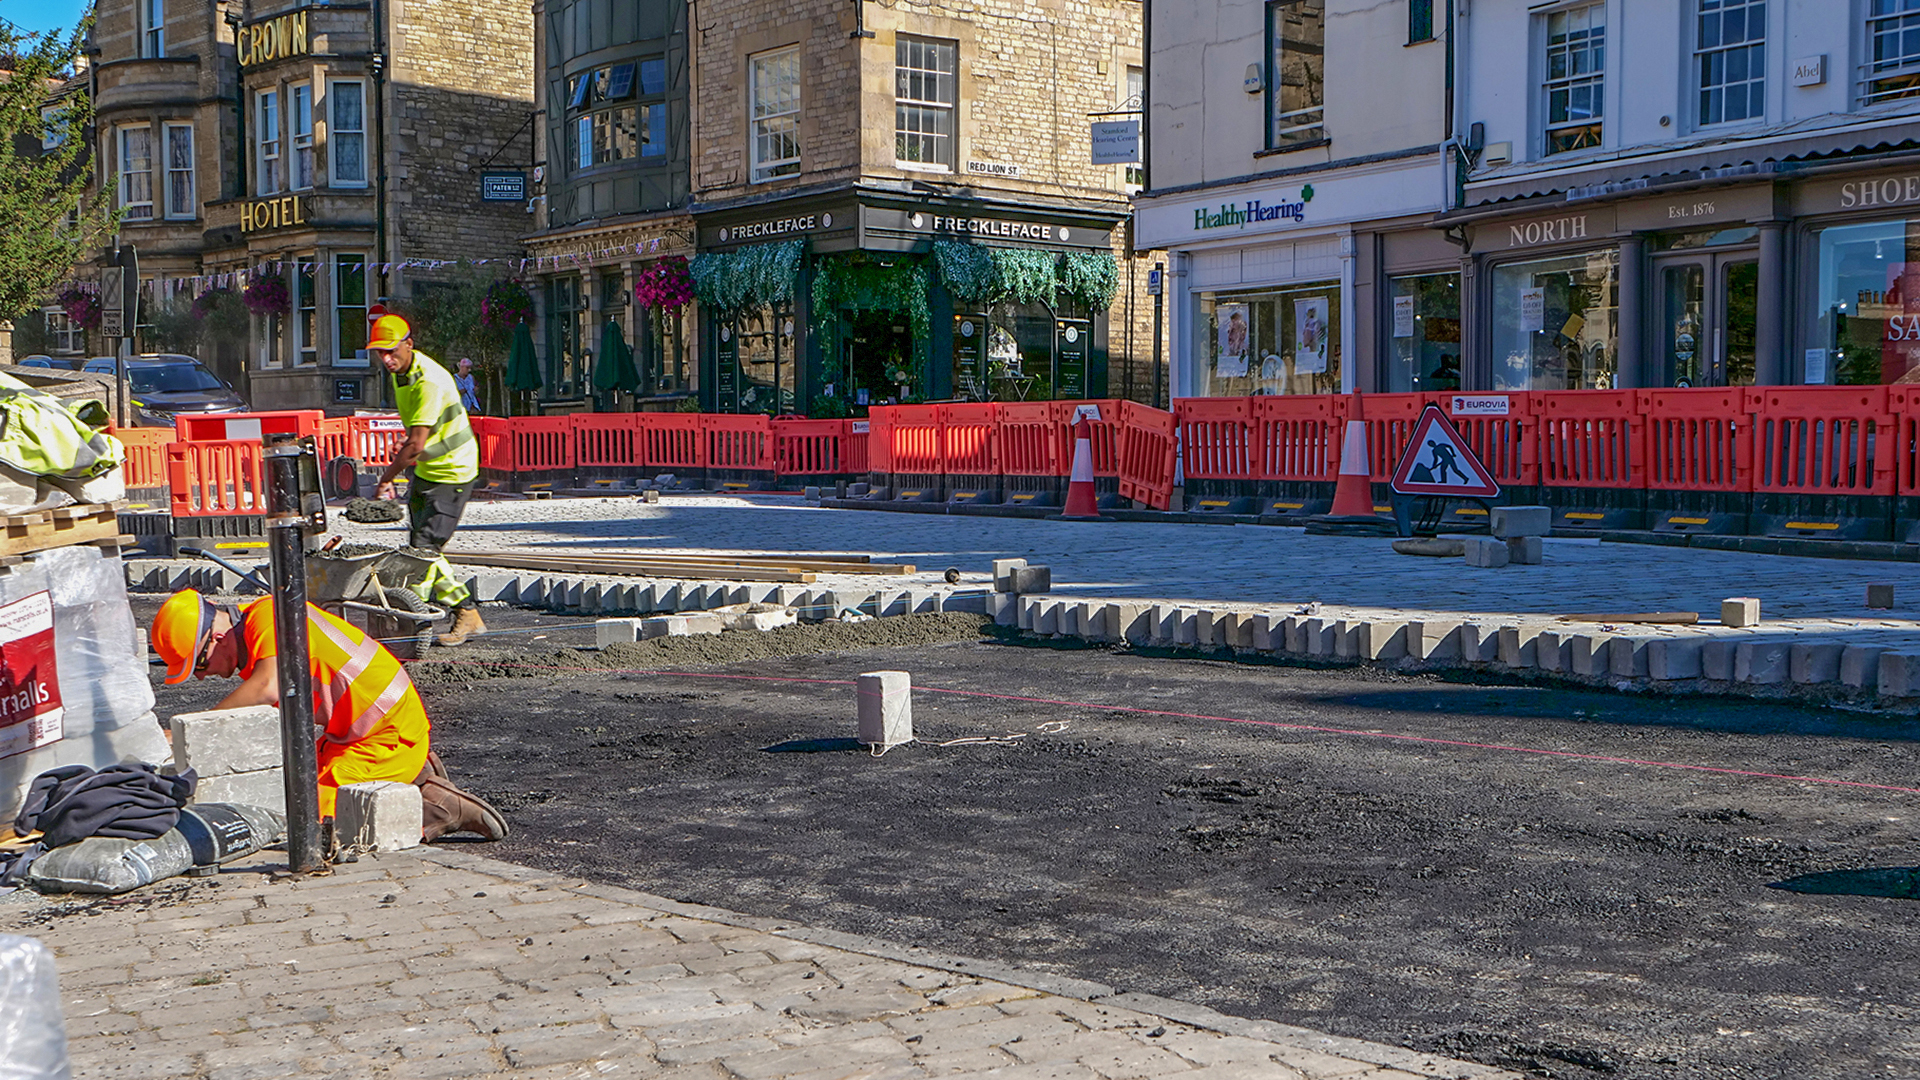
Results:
<point x="979" y="276"/>
<point x="857" y="284"/>
<point x="1091" y="277"/>
<point x="757" y="275"/>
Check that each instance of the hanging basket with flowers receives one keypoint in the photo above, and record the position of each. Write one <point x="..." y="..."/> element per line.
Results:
<point x="81" y="302"/>
<point x="506" y="305"/>
<point x="666" y="283"/>
<point x="266" y="294"/>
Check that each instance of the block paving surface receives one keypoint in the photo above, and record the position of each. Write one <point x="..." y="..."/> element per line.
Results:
<point x="438" y="962"/>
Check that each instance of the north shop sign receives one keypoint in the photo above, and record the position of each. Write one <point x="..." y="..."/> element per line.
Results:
<point x="1254" y="212"/>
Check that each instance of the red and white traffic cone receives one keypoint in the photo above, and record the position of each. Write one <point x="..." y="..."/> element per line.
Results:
<point x="1082" y="505"/>
<point x="1353" y="490"/>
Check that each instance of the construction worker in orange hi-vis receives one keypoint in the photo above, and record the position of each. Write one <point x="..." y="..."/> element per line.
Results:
<point x="371" y="724"/>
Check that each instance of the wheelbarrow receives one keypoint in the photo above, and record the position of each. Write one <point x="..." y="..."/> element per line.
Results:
<point x="374" y="584"/>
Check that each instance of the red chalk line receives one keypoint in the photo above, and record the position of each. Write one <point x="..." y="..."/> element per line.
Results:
<point x="1314" y="728"/>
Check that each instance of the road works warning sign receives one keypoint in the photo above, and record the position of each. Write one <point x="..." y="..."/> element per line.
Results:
<point x="30" y="710"/>
<point x="1439" y="462"/>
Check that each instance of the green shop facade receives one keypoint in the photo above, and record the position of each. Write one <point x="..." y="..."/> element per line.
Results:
<point x="822" y="305"/>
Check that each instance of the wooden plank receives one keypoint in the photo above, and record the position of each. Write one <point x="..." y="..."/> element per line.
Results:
<point x="684" y="570"/>
<point x="26" y="537"/>
<point x="820" y="564"/>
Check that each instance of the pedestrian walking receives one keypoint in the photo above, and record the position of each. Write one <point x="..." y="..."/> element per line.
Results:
<point x="469" y="389"/>
<point x="442" y="458"/>
<point x="373" y="724"/>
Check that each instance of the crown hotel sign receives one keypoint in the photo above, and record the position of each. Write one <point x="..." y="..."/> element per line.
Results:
<point x="272" y="39"/>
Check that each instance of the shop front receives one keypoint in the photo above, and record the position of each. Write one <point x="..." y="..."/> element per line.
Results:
<point x="1314" y="285"/>
<point x="826" y="305"/>
<point x="1858" y="311"/>
<point x="634" y="276"/>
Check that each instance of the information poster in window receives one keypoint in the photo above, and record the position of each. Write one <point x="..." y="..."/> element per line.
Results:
<point x="1071" y="355"/>
<point x="1816" y="367"/>
<point x="969" y="367"/>
<point x="1235" y="330"/>
<point x="30" y="709"/>
<point x="1402" y="316"/>
<point x="1310" y="336"/>
<point x="1533" y="310"/>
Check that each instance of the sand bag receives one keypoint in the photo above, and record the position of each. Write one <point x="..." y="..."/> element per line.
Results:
<point x="208" y="834"/>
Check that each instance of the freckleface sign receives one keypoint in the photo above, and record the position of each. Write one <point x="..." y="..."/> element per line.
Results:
<point x="272" y="39"/>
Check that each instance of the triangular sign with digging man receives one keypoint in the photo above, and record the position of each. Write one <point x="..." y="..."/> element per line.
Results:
<point x="1438" y="461"/>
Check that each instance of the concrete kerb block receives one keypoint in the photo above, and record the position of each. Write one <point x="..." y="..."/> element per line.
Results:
<point x="1860" y="666"/>
<point x="1517" y="645"/>
<point x="663" y="626"/>
<point x="1293" y="635"/>
<point x="1434" y="639"/>
<point x="1486" y="553"/>
<point x="1003" y="573"/>
<point x="1318" y="635"/>
<point x="1478" y="644"/>
<point x="1812" y="662"/>
<point x="1023" y="611"/>
<point x="1046" y="616"/>
<point x="491" y="585"/>
<point x="1032" y="579"/>
<point x="1089" y="619"/>
<point x="1001" y="606"/>
<point x="885" y="708"/>
<point x="383" y="815"/>
<point x="262" y="787"/>
<point x="1511" y="522"/>
<point x="1209" y="631"/>
<point x="1761" y="662"/>
<point x="1590" y="655"/>
<point x="1186" y="630"/>
<point x="1880" y="596"/>
<point x="1525" y="551"/>
<point x="1261" y="631"/>
<point x="1899" y="673"/>
<point x="1163" y="624"/>
<point x="1716" y="659"/>
<point x="222" y="741"/>
<point x="615" y="631"/>
<point x="1627" y="657"/>
<point x="1126" y="622"/>
<point x="1379" y="639"/>
<point x="1670" y="659"/>
<point x="1740" y="611"/>
<point x="1550" y="650"/>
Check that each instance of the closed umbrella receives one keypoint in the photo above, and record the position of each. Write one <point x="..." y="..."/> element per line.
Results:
<point x="523" y="372"/>
<point x="613" y="368"/>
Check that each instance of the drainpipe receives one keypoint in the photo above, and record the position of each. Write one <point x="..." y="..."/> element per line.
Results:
<point x="378" y="67"/>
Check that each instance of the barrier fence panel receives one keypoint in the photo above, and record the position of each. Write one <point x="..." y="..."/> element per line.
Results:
<point x="809" y="447"/>
<point x="1103" y="436"/>
<point x="1698" y="439"/>
<point x="495" y="435"/>
<point x="1903" y="402"/>
<point x="605" y="440"/>
<point x="1216" y="436"/>
<point x="215" y="477"/>
<point x="741" y="443"/>
<point x="969" y="439"/>
<point x="146" y="465"/>
<point x="1591" y="438"/>
<point x="1390" y="419"/>
<point x="1146" y="455"/>
<point x="375" y="438"/>
<point x="215" y="427"/>
<point x="542" y="443"/>
<point x="1506" y="443"/>
<point x="914" y="439"/>
<point x="1296" y="436"/>
<point x="1826" y="440"/>
<point x="334" y="439"/>
<point x="880" y="439"/>
<point x="671" y="441"/>
<point x="859" y="440"/>
<point x="1029" y="439"/>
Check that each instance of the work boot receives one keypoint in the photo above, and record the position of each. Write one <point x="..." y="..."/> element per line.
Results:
<point x="433" y="767"/>
<point x="466" y="623"/>
<point x="446" y="809"/>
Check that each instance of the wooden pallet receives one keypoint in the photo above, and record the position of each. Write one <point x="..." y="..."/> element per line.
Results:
<point x="41" y="530"/>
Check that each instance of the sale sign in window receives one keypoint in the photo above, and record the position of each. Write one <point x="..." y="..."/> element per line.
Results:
<point x="30" y="711"/>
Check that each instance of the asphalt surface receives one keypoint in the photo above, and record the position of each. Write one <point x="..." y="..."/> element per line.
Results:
<point x="1411" y="861"/>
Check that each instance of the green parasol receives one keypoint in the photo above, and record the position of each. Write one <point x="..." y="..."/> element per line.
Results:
<point x="523" y="372"/>
<point x="613" y="366"/>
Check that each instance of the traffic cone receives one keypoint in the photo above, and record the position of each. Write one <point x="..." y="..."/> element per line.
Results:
<point x="1353" y="490"/>
<point x="1081" y="503"/>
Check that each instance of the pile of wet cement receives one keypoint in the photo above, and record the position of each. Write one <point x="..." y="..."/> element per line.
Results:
<point x="703" y="650"/>
<point x="374" y="511"/>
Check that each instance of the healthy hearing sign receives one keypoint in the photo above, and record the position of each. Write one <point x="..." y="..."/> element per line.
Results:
<point x="30" y="710"/>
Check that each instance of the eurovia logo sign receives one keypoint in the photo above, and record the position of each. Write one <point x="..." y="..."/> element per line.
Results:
<point x="1255" y="212"/>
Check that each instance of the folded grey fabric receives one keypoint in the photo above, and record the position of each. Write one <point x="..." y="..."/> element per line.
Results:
<point x="130" y="802"/>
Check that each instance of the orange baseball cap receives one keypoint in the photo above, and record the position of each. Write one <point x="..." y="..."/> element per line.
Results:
<point x="180" y="632"/>
<point x="388" y="331"/>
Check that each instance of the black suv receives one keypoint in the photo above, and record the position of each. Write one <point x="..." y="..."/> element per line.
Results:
<point x="165" y="385"/>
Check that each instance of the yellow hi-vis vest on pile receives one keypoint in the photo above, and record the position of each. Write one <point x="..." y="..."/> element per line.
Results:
<point x="42" y="435"/>
<point x="426" y="397"/>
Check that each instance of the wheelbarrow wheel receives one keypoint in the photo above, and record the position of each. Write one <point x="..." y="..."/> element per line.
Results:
<point x="404" y="599"/>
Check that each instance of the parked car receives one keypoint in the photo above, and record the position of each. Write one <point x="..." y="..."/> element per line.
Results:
<point x="68" y="363"/>
<point x="164" y="385"/>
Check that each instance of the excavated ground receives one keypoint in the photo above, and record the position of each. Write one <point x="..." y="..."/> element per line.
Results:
<point x="1393" y="858"/>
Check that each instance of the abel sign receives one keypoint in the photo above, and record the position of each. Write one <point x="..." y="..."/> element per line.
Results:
<point x="30" y="710"/>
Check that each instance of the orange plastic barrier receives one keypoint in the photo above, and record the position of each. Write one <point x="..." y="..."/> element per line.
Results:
<point x="913" y="438"/>
<point x="1591" y="438"/>
<point x="1216" y="438"/>
<point x="1103" y="433"/>
<point x="605" y="440"/>
<point x="1904" y="403"/>
<point x="146" y="464"/>
<point x="1390" y="419"/>
<point x="1506" y="444"/>
<point x="1296" y="436"/>
<point x="1822" y="440"/>
<point x="542" y="443"/>
<point x="671" y="441"/>
<point x="969" y="439"/>
<point x="803" y="447"/>
<point x="495" y="435"/>
<point x="219" y="427"/>
<point x="375" y="438"/>
<point x="859" y="438"/>
<point x="1698" y="439"/>
<point x="737" y="442"/>
<point x="215" y="477"/>
<point x="1146" y="454"/>
<point x="1030" y="438"/>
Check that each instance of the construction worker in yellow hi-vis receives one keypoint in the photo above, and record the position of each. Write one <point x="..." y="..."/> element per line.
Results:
<point x="444" y="457"/>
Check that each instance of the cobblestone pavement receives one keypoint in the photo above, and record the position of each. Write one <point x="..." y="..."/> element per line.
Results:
<point x="441" y="963"/>
<point x="1243" y="563"/>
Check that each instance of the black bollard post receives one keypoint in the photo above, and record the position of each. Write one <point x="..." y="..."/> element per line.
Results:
<point x="286" y="531"/>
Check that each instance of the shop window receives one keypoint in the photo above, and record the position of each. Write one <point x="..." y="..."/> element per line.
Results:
<point x="350" y="308"/>
<point x="1893" y="45"/>
<point x="774" y="88"/>
<point x="1730" y="49"/>
<point x="268" y="179"/>
<point x="66" y="335"/>
<point x="136" y="173"/>
<point x="926" y="96"/>
<point x="1556" y="322"/>
<point x="347" y="132"/>
<point x="180" y="200"/>
<point x="766" y="361"/>
<point x="1134" y="175"/>
<point x="1271" y="342"/>
<point x="305" y="344"/>
<point x="1296" y="72"/>
<point x="663" y="355"/>
<point x="566" y="337"/>
<point x="1576" y="65"/>
<point x="1419" y="21"/>
<point x="300" y="100"/>
<point x="1424" y="329"/>
<point x="1867" y="319"/>
<point x="153" y="29"/>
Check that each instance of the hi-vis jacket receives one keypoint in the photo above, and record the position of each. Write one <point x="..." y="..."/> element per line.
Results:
<point x="360" y="691"/>
<point x="426" y="396"/>
<point x="42" y="435"/>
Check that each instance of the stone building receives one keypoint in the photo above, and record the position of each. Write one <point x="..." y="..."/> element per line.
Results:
<point x="866" y="181"/>
<point x="337" y="149"/>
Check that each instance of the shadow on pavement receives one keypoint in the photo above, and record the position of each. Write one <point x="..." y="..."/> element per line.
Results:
<point x="1895" y="882"/>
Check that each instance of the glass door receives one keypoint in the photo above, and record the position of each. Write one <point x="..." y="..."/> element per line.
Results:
<point x="1706" y="317"/>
